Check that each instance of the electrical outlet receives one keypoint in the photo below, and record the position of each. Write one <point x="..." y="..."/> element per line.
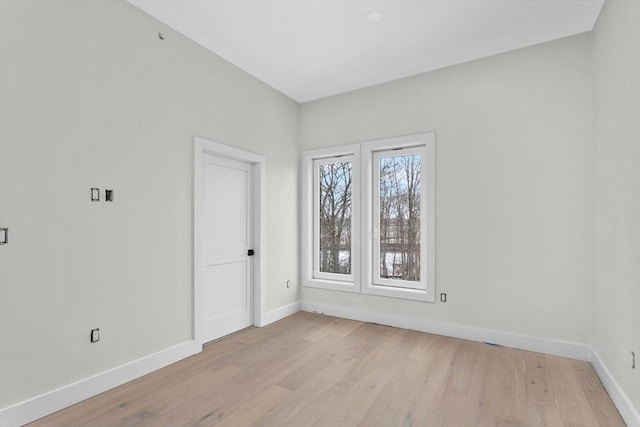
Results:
<point x="288" y="284"/>
<point x="95" y="335"/>
<point x="443" y="297"/>
<point x="95" y="194"/>
<point x="633" y="360"/>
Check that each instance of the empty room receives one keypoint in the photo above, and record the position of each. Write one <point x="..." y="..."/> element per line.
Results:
<point x="320" y="213"/>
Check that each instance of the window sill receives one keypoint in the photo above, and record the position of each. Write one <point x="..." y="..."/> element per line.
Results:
<point x="400" y="293"/>
<point x="333" y="285"/>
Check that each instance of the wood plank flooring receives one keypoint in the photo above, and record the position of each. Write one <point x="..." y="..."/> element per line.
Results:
<point x="315" y="370"/>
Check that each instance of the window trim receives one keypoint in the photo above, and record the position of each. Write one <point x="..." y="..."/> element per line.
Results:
<point x="308" y="226"/>
<point x="362" y="217"/>
<point x="367" y="223"/>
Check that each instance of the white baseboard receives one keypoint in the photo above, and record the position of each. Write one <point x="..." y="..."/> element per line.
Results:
<point x="541" y="345"/>
<point x="438" y="327"/>
<point x="50" y="402"/>
<point x="279" y="313"/>
<point x="55" y="400"/>
<point x="620" y="399"/>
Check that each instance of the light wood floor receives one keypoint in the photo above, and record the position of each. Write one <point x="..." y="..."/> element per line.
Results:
<point x="316" y="370"/>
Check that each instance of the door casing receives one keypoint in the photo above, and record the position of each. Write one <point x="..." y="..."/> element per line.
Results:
<point x="201" y="147"/>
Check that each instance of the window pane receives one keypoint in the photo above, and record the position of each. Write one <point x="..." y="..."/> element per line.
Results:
<point x="400" y="217"/>
<point x="335" y="217"/>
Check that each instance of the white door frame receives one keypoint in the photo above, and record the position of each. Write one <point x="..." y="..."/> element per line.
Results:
<point x="201" y="147"/>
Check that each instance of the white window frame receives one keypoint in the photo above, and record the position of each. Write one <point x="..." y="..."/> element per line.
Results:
<point x="395" y="283"/>
<point x="317" y="274"/>
<point x="373" y="285"/>
<point x="363" y="278"/>
<point x="310" y="219"/>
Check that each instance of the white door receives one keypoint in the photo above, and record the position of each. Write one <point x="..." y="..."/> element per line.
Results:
<point x="227" y="282"/>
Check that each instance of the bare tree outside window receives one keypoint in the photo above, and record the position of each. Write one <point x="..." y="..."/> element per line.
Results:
<point x="400" y="217"/>
<point x="335" y="217"/>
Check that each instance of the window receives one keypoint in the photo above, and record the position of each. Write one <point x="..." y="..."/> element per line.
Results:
<point x="332" y="218"/>
<point x="380" y="240"/>
<point x="397" y="218"/>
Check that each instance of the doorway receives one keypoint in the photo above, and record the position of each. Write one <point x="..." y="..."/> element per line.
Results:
<point x="227" y="239"/>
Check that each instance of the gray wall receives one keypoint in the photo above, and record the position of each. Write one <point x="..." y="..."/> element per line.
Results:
<point x="90" y="96"/>
<point x="616" y="102"/>
<point x="514" y="178"/>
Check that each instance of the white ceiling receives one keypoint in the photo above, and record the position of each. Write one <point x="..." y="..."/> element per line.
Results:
<point x="313" y="49"/>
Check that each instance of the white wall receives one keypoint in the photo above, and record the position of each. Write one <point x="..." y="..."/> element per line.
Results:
<point x="616" y="101"/>
<point x="514" y="205"/>
<point x="90" y="96"/>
